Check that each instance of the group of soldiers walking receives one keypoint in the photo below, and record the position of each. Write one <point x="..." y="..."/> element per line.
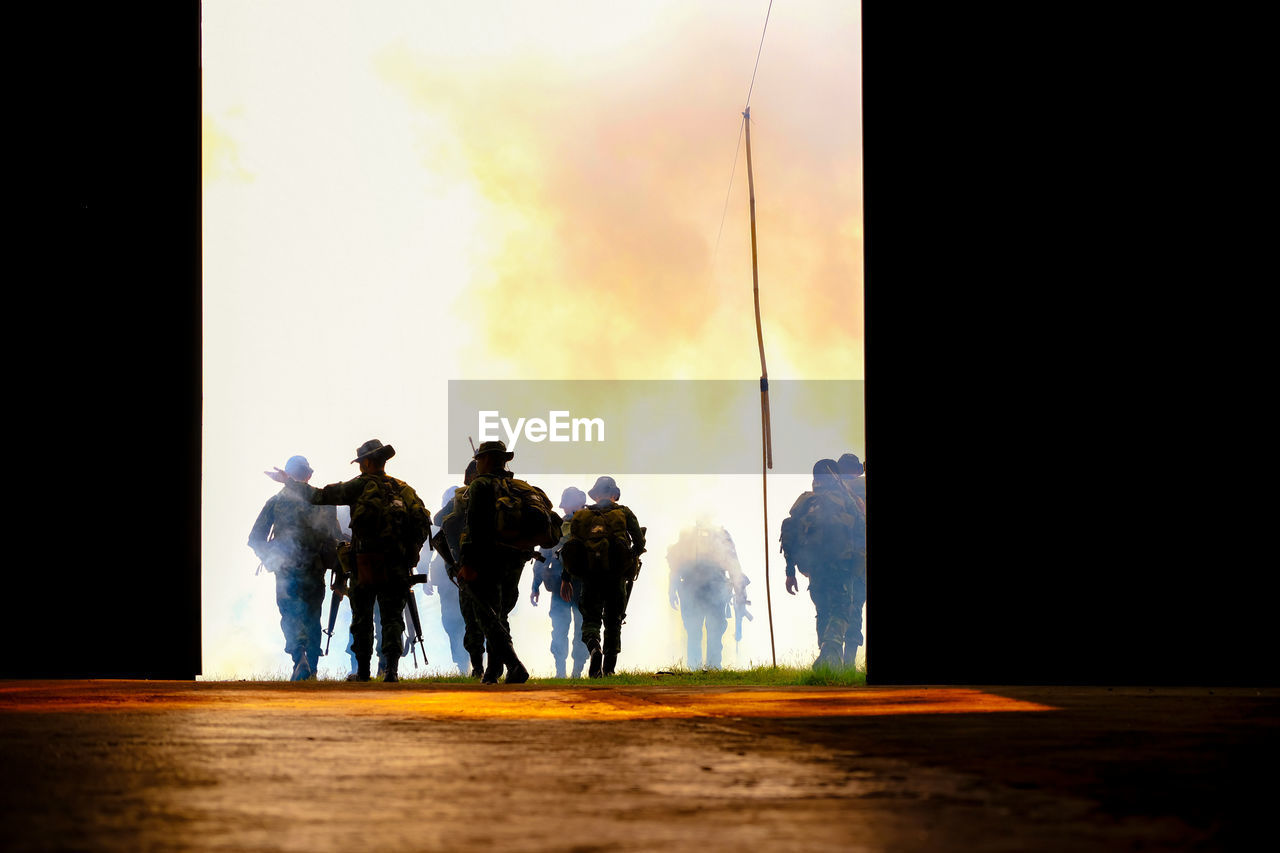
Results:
<point x="586" y="557"/>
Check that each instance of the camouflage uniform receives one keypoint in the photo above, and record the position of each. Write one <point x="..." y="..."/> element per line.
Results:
<point x="294" y="540"/>
<point x="704" y="573"/>
<point x="381" y="575"/>
<point x="603" y="602"/>
<point x="837" y="572"/>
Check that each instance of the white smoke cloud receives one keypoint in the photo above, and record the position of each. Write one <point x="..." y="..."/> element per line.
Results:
<point x="355" y="250"/>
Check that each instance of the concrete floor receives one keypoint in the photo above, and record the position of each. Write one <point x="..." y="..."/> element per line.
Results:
<point x="119" y="765"/>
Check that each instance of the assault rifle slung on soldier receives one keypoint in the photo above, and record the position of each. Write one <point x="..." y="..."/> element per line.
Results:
<point x="338" y="587"/>
<point x="441" y="546"/>
<point x="412" y="606"/>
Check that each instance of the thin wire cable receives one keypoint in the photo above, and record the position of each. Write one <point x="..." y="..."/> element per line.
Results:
<point x="729" y="191"/>
<point x="741" y="125"/>
<point x="759" y="50"/>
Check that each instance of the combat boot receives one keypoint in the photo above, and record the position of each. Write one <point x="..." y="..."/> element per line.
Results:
<point x="596" y="668"/>
<point x="851" y="657"/>
<point x="301" y="670"/>
<point x="361" y="673"/>
<point x="560" y="668"/>
<point x="493" y="671"/>
<point x="577" y="667"/>
<point x="516" y="672"/>
<point x="610" y="664"/>
<point x="830" y="657"/>
<point x="477" y="664"/>
<point x="391" y="674"/>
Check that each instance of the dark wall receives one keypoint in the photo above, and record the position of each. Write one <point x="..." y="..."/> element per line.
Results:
<point x="1062" y="484"/>
<point x="108" y="435"/>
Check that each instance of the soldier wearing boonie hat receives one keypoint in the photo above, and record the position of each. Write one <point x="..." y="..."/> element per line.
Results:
<point x="490" y="568"/>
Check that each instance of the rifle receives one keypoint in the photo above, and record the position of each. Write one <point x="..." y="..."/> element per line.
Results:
<point x="412" y="607"/>
<point x="441" y="546"/>
<point x="339" y="587"/>
<point x="630" y="583"/>
<point x="740" y="602"/>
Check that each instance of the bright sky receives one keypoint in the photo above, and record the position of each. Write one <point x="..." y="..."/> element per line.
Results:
<point x="403" y="193"/>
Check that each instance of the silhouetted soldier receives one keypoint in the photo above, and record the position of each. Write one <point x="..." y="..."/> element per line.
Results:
<point x="704" y="577"/>
<point x="451" y="523"/>
<point x="451" y="618"/>
<point x="297" y="542"/>
<point x="491" y="567"/>
<point x="389" y="524"/>
<point x="825" y="538"/>
<point x="851" y="472"/>
<point x="566" y="618"/>
<point x="604" y="548"/>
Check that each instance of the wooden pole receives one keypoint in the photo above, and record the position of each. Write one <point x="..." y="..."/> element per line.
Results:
<point x="765" y="437"/>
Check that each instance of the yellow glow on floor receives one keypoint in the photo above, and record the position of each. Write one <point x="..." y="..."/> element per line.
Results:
<point x="527" y="702"/>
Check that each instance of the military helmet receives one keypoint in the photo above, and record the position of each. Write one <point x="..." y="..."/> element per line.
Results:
<point x="826" y="472"/>
<point x="604" y="487"/>
<point x="298" y="468"/>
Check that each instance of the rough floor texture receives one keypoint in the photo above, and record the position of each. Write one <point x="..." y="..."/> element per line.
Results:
<point x="315" y="767"/>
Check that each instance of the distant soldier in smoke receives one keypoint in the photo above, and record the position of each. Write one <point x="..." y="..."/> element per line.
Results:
<point x="451" y="523"/>
<point x="704" y="578"/>
<point x="490" y="564"/>
<point x="566" y="618"/>
<point x="603" y="550"/>
<point x="389" y="524"/>
<point x="824" y="537"/>
<point x="297" y="542"/>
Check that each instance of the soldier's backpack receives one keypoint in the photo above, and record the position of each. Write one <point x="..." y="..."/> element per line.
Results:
<point x="824" y="527"/>
<point x="388" y="517"/>
<point x="526" y="518"/>
<point x="599" y="543"/>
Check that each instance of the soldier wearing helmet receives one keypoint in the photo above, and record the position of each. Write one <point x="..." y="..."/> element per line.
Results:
<point x="824" y="537"/>
<point x="389" y="524"/>
<point x="297" y="543"/>
<point x="566" y="617"/>
<point x="603" y="550"/>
